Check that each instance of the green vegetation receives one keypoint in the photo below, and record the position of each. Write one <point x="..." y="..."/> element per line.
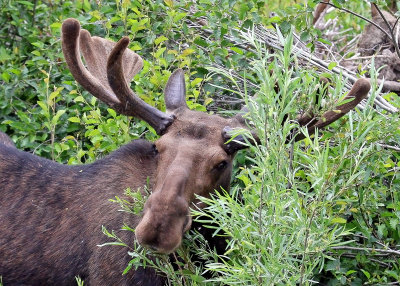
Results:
<point x="326" y="209"/>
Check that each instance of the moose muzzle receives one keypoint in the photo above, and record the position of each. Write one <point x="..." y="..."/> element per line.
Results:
<point x="166" y="218"/>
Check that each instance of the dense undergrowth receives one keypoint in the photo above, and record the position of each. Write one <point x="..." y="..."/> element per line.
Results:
<point x="325" y="210"/>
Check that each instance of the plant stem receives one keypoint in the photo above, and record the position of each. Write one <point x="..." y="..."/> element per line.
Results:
<point x="367" y="249"/>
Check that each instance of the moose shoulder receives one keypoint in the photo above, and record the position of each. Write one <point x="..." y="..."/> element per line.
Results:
<point x="51" y="214"/>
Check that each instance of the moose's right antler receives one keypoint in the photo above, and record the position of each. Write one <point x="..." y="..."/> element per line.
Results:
<point x="109" y="67"/>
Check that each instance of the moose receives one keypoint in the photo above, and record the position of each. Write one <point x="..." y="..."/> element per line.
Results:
<point x="51" y="214"/>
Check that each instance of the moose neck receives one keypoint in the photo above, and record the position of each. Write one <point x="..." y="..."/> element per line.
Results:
<point x="132" y="166"/>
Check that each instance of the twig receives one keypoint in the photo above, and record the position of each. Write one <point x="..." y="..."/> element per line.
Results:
<point x="351" y="255"/>
<point x="365" y="58"/>
<point x="390" y="35"/>
<point x="270" y="39"/>
<point x="359" y="16"/>
<point x="389" y="147"/>
<point x="367" y="249"/>
<point x="180" y="269"/>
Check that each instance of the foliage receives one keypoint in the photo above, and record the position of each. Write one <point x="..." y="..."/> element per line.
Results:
<point x="323" y="210"/>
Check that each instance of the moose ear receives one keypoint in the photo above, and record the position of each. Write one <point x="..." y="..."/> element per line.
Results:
<point x="175" y="91"/>
<point x="374" y="11"/>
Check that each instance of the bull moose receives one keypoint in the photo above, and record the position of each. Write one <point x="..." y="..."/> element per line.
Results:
<point x="51" y="214"/>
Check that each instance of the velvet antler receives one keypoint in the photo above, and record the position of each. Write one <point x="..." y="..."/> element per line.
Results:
<point x="357" y="93"/>
<point x="110" y="67"/>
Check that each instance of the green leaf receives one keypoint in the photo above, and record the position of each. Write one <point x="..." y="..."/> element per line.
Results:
<point x="196" y="81"/>
<point x="394" y="222"/>
<point x="5" y="76"/>
<point x="332" y="65"/>
<point x="86" y="6"/>
<point x="274" y="19"/>
<point x="237" y="50"/>
<point x="26" y="3"/>
<point x="56" y="26"/>
<point x="79" y="99"/>
<point x="4" y="55"/>
<point x="170" y="3"/>
<point x="159" y="52"/>
<point x="366" y="273"/>
<point x="187" y="52"/>
<point x="112" y="112"/>
<point x="179" y="16"/>
<point x="201" y="42"/>
<point x="305" y="36"/>
<point x="57" y="116"/>
<point x="285" y="27"/>
<point x="160" y="40"/>
<point x="74" y="119"/>
<point x="197" y="278"/>
<point x="44" y="106"/>
<point x="338" y="220"/>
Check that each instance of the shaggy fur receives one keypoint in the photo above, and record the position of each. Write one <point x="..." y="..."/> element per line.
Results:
<point x="51" y="217"/>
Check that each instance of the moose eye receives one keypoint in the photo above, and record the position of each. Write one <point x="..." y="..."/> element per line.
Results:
<point x="221" y="166"/>
<point x="155" y="151"/>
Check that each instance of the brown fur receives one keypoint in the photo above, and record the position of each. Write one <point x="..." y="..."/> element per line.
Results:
<point x="51" y="216"/>
<point x="191" y="168"/>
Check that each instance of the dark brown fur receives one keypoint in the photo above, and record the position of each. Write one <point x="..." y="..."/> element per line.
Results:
<point x="51" y="216"/>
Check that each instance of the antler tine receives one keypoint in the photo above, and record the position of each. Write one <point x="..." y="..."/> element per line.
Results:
<point x="357" y="93"/>
<point x="131" y="104"/>
<point x="70" y="35"/>
<point x="96" y="50"/>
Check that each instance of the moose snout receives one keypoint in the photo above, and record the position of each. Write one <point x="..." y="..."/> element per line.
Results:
<point x="162" y="226"/>
<point x="162" y="237"/>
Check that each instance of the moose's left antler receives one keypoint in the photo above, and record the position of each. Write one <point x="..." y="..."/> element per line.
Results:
<point x="357" y="93"/>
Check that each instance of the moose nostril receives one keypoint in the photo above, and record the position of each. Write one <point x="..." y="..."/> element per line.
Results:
<point x="187" y="224"/>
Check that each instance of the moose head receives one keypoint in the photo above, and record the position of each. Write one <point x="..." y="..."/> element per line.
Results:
<point x="192" y="155"/>
<point x="194" y="152"/>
